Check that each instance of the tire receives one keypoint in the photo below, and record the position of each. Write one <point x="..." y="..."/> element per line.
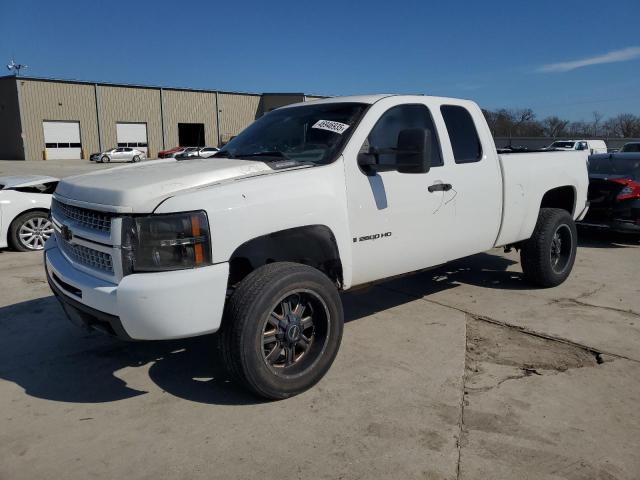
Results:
<point x="29" y="231"/>
<point x="259" y="342"/>
<point x="105" y="159"/>
<point x="135" y="159"/>
<point x="545" y="262"/>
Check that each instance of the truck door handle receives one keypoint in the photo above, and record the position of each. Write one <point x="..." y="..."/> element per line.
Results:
<point x="440" y="187"/>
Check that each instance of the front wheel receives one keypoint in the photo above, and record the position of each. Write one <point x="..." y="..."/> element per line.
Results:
<point x="105" y="159"/>
<point x="548" y="256"/>
<point x="136" y="159"/>
<point x="282" y="329"/>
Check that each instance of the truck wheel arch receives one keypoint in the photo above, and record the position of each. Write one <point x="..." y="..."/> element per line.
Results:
<point x="563" y="197"/>
<point x="313" y="245"/>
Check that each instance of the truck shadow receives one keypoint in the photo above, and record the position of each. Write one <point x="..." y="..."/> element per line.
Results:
<point x="50" y="359"/>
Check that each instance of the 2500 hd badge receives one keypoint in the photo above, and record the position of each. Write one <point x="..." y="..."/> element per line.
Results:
<point x="375" y="236"/>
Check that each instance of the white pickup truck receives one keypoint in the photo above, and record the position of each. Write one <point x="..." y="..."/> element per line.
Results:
<point x="309" y="201"/>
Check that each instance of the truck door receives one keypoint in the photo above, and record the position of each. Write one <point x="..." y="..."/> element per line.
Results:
<point x="476" y="179"/>
<point x="400" y="222"/>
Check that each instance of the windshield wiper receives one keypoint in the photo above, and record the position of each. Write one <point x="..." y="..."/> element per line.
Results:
<point x="224" y="154"/>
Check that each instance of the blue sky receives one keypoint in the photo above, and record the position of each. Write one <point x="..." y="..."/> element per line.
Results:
<point x="501" y="54"/>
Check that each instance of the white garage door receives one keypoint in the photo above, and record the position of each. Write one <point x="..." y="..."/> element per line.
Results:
<point x="62" y="140"/>
<point x="132" y="135"/>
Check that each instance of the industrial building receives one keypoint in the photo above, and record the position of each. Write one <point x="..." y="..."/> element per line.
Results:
<point x="59" y="119"/>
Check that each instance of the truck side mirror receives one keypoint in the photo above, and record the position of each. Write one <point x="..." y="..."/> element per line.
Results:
<point x="414" y="151"/>
<point x="368" y="161"/>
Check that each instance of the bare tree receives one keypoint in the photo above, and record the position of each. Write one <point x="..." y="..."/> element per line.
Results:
<point x="579" y="129"/>
<point x="628" y="125"/>
<point x="522" y="122"/>
<point x="597" y="117"/>
<point x="609" y="128"/>
<point x="491" y="118"/>
<point x="554" y="127"/>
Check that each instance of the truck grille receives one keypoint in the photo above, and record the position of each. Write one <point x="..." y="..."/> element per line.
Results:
<point x="86" y="256"/>
<point x="90" y="219"/>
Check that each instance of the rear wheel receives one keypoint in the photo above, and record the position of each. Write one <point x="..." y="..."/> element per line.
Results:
<point x="548" y="256"/>
<point x="30" y="231"/>
<point x="282" y="329"/>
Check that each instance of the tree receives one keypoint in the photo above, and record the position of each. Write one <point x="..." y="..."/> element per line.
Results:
<point x="597" y="117"/>
<point x="609" y="128"/>
<point x="491" y="118"/>
<point x="579" y="129"/>
<point x="554" y="127"/>
<point x="522" y="122"/>
<point x="628" y="125"/>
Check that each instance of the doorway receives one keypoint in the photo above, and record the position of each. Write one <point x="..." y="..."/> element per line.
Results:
<point x="191" y="134"/>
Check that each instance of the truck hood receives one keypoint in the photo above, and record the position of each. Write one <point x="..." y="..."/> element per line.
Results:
<point x="141" y="187"/>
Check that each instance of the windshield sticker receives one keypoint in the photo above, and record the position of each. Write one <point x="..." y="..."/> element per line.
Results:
<point x="335" y="127"/>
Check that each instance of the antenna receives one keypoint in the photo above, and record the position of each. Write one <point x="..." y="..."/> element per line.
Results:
<point x="16" y="67"/>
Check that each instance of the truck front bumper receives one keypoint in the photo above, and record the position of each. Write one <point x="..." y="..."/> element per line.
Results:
<point x="146" y="306"/>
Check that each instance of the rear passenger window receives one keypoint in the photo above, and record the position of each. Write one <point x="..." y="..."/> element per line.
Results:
<point x="462" y="133"/>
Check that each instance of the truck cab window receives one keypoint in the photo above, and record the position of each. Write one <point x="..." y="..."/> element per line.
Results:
<point x="462" y="133"/>
<point x="384" y="135"/>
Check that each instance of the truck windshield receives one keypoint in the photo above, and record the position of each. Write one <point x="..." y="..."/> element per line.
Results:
<point x="615" y="166"/>
<point x="562" y="145"/>
<point x="309" y="133"/>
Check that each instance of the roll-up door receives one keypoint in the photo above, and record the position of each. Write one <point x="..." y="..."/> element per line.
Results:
<point x="62" y="140"/>
<point x="132" y="135"/>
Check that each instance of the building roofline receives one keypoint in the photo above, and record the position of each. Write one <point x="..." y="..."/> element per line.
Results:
<point x="129" y="85"/>
<point x="284" y="93"/>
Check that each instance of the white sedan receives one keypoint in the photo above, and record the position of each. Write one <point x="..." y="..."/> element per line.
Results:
<point x="207" y="152"/>
<point x="120" y="154"/>
<point x="24" y="211"/>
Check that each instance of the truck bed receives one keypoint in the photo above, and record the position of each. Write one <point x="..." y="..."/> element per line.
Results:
<point x="526" y="177"/>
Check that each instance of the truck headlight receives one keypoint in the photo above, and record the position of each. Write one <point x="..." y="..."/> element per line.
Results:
<point x="158" y="243"/>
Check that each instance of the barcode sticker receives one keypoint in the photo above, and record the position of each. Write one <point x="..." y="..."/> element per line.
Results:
<point x="335" y="127"/>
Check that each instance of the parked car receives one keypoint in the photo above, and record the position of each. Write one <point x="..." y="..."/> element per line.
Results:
<point x="630" y="147"/>
<point x="187" y="152"/>
<point x="170" y="152"/>
<point x="310" y="200"/>
<point x="24" y="211"/>
<point x="614" y="192"/>
<point x="206" y="152"/>
<point x="592" y="146"/>
<point x="195" y="152"/>
<point x="120" y="154"/>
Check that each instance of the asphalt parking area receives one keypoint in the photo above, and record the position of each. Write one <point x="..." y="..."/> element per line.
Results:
<point x="460" y="372"/>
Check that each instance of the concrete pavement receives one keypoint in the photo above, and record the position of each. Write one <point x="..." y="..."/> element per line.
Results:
<point x="464" y="372"/>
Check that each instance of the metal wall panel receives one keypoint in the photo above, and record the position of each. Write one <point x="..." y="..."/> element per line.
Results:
<point x="130" y="104"/>
<point x="10" y="128"/>
<point x="45" y="100"/>
<point x="189" y="107"/>
<point x="271" y="101"/>
<point x="237" y="111"/>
